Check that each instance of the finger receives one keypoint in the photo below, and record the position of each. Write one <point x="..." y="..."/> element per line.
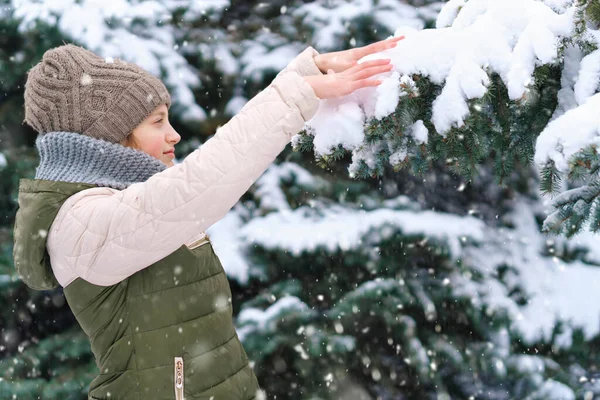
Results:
<point x="395" y="39"/>
<point x="366" y="73"/>
<point x="392" y="42"/>
<point x="369" y="64"/>
<point x="366" y="83"/>
<point x="378" y="46"/>
<point x="371" y="49"/>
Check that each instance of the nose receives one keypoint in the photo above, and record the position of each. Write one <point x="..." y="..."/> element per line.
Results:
<point x="173" y="136"/>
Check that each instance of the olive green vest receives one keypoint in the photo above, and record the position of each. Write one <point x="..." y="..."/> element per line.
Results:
<point x="166" y="332"/>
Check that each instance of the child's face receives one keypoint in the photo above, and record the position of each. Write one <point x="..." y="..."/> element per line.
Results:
<point x="155" y="136"/>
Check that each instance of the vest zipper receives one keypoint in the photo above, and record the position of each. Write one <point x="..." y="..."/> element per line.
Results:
<point x="179" y="378"/>
<point x="202" y="241"/>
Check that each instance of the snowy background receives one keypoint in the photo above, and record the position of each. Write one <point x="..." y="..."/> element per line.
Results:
<point x="528" y="304"/>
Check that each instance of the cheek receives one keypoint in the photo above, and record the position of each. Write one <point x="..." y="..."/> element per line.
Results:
<point x="155" y="147"/>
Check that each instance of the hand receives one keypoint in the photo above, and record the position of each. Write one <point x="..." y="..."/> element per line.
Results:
<point x="340" y="84"/>
<point x="340" y="61"/>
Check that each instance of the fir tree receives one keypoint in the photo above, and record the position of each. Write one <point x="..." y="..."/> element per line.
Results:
<point x="477" y="87"/>
<point x="414" y="275"/>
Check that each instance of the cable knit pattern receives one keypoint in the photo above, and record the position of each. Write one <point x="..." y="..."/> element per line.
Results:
<point x="75" y="90"/>
<point x="72" y="157"/>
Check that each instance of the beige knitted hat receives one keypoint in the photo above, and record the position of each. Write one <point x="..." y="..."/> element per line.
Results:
<point x="75" y="90"/>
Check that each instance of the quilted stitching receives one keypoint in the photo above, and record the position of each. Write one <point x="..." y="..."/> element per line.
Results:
<point x="100" y="226"/>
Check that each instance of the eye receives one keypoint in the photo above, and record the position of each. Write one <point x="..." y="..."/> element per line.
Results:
<point x="158" y="120"/>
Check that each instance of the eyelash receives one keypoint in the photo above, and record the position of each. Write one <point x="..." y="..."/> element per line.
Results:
<point x="159" y="120"/>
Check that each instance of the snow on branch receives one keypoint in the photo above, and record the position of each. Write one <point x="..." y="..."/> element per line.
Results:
<point x="515" y="80"/>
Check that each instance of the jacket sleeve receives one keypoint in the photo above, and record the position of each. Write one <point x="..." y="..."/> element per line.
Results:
<point x="104" y="235"/>
<point x="304" y="64"/>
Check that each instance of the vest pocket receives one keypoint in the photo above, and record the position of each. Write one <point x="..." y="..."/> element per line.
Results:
<point x="203" y="240"/>
<point x="178" y="378"/>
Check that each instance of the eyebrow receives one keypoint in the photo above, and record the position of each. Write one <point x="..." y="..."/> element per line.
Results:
<point x="159" y="114"/>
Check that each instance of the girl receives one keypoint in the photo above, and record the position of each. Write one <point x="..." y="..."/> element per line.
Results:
<point x="121" y="229"/>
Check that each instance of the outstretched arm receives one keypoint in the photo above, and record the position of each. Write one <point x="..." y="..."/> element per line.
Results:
<point x="104" y="235"/>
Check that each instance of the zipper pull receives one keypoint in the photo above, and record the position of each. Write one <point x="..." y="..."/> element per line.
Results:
<point x="179" y="378"/>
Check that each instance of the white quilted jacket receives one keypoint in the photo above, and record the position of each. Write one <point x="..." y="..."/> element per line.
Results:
<point x="104" y="235"/>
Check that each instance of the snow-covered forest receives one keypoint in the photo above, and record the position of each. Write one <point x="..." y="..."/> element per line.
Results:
<point x="430" y="238"/>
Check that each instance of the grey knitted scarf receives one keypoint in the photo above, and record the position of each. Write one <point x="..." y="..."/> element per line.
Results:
<point x="73" y="157"/>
